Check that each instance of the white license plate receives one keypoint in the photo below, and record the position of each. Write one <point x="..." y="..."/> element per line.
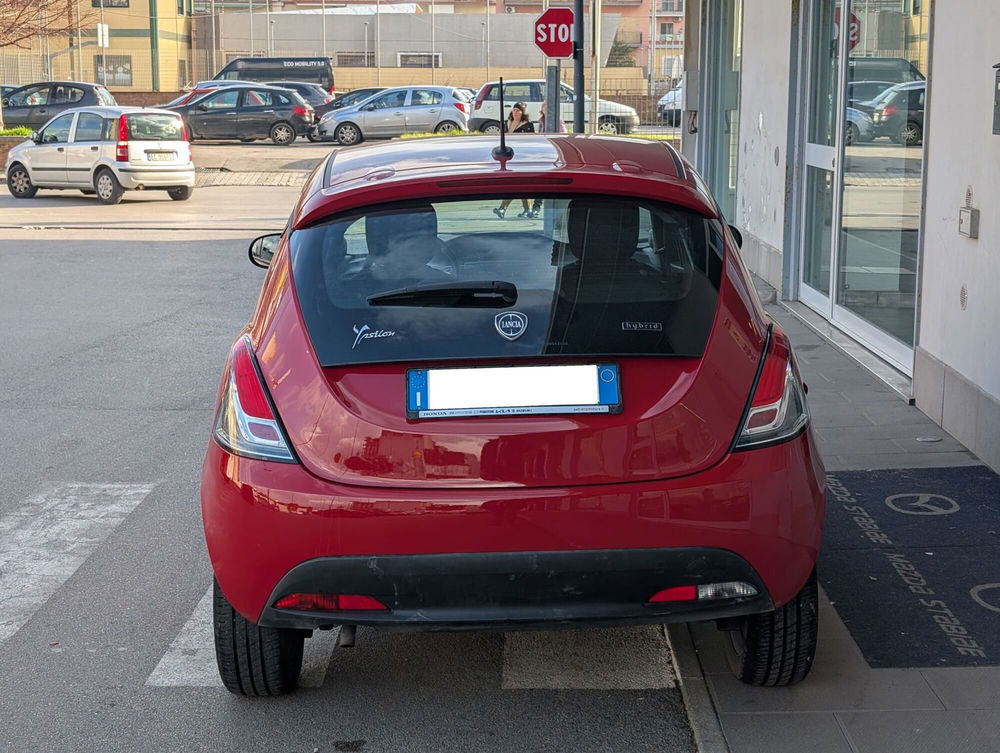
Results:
<point x="513" y="391"/>
<point x="161" y="156"/>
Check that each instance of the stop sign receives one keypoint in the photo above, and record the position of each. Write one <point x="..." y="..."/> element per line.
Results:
<point x="854" y="31"/>
<point x="554" y="33"/>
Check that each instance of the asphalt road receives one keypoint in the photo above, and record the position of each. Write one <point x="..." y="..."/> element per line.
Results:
<point x="112" y="344"/>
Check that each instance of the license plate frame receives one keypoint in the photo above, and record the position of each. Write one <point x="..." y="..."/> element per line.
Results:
<point x="499" y="391"/>
<point x="161" y="156"/>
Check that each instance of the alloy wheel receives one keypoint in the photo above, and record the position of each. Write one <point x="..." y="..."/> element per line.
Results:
<point x="282" y="134"/>
<point x="446" y="127"/>
<point x="348" y="134"/>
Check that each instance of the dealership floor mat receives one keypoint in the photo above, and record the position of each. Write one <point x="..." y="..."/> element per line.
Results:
<point x="911" y="561"/>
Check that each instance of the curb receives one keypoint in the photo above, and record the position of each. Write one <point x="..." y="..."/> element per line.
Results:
<point x="704" y="719"/>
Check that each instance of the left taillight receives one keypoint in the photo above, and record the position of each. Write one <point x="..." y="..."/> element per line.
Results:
<point x="247" y="423"/>
<point x="778" y="409"/>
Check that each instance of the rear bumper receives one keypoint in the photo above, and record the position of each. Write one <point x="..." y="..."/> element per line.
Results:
<point x="133" y="177"/>
<point x="264" y="521"/>
<point x="518" y="589"/>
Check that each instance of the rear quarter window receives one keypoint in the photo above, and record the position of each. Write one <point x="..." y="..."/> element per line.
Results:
<point x="155" y="127"/>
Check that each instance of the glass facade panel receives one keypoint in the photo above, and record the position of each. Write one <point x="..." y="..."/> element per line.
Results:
<point x="724" y="70"/>
<point x="883" y="168"/>
<point x="824" y="65"/>
<point x="818" y="223"/>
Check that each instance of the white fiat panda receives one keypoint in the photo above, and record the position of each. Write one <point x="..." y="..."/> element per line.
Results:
<point x="105" y="151"/>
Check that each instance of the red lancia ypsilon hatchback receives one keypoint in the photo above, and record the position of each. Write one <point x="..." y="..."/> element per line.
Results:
<point x="444" y="418"/>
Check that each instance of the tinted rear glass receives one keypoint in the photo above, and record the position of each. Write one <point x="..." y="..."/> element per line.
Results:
<point x="593" y="277"/>
<point x="155" y="127"/>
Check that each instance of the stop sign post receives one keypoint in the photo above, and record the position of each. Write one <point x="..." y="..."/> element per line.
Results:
<point x="554" y="33"/>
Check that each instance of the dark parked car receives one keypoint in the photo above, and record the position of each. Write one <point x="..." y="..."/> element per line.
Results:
<point x="859" y="92"/>
<point x="34" y="105"/>
<point x="314" y="94"/>
<point x="355" y="97"/>
<point x="900" y="114"/>
<point x="248" y="113"/>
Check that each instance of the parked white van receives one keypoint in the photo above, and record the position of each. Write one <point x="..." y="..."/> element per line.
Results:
<point x="105" y="151"/>
<point x="611" y="117"/>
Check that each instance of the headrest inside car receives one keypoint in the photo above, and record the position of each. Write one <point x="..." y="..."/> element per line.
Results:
<point x="602" y="233"/>
<point x="381" y="227"/>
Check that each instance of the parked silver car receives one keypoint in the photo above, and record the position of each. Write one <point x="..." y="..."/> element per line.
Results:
<point x="403" y="109"/>
<point x="105" y="151"/>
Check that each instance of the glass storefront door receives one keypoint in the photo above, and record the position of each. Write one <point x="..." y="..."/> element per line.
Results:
<point x="862" y="177"/>
<point x="723" y="62"/>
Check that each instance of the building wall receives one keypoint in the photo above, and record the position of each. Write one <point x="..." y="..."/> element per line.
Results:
<point x="957" y="370"/>
<point x="761" y="183"/>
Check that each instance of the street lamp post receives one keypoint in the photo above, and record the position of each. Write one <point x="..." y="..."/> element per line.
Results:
<point x="322" y="10"/>
<point x="104" y="56"/>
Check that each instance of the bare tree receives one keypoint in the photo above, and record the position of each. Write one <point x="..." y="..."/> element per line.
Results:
<point x="22" y="21"/>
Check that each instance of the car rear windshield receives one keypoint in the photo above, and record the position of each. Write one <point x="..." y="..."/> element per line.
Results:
<point x="503" y="278"/>
<point x="155" y="127"/>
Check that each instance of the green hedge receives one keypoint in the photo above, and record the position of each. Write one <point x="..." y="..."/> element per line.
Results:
<point x="20" y="131"/>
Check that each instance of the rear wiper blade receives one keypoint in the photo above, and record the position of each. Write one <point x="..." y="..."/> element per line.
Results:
<point x="469" y="293"/>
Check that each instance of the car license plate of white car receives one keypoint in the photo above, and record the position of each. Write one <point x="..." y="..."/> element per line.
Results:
<point x="161" y="156"/>
<point x="513" y="391"/>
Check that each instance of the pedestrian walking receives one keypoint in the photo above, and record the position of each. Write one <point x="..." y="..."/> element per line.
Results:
<point x="517" y="122"/>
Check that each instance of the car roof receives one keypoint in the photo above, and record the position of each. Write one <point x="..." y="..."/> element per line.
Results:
<point x="110" y="111"/>
<point x="378" y="172"/>
<point x="62" y="82"/>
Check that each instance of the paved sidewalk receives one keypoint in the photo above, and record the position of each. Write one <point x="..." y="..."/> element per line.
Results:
<point x="844" y="706"/>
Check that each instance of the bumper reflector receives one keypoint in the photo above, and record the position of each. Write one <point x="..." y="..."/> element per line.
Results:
<point x="330" y="603"/>
<point x="707" y="592"/>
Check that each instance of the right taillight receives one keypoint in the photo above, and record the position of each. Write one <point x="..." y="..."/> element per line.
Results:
<point x="777" y="409"/>
<point x="247" y="423"/>
<point x="480" y="97"/>
<point x="121" y="150"/>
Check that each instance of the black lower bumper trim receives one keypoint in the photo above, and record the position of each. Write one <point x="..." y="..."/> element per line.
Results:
<point x="510" y="590"/>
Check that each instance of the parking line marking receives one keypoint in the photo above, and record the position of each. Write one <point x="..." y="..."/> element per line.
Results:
<point x="46" y="538"/>
<point x="634" y="658"/>
<point x="190" y="660"/>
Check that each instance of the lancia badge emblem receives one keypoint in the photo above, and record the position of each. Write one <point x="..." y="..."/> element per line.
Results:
<point x="511" y="324"/>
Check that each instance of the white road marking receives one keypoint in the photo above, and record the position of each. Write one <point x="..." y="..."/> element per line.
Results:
<point x="47" y="537"/>
<point x="190" y="660"/>
<point x="633" y="658"/>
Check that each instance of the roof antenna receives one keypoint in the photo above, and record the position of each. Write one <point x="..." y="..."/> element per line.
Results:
<point x="502" y="152"/>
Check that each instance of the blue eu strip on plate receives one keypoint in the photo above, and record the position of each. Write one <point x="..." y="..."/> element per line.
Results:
<point x="513" y="391"/>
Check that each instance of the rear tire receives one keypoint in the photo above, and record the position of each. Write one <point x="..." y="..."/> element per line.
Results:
<point x="446" y="127"/>
<point x="254" y="660"/>
<point x="282" y="133"/>
<point x="19" y="182"/>
<point x="853" y="135"/>
<point x="180" y="193"/>
<point x="911" y="134"/>
<point x="490" y="128"/>
<point x="109" y="190"/>
<point x="776" y="648"/>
